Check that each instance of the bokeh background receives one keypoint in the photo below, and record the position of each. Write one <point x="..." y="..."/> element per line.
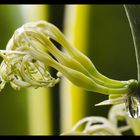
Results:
<point x="101" y="32"/>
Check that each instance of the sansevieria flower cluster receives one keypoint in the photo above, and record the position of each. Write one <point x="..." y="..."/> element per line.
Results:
<point x="33" y="49"/>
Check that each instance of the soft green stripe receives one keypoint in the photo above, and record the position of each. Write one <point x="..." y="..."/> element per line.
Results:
<point x="39" y="100"/>
<point x="72" y="97"/>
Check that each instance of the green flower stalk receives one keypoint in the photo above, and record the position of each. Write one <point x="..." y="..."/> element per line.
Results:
<point x="33" y="48"/>
<point x="133" y="15"/>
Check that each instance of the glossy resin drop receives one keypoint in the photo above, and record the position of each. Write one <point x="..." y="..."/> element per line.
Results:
<point x="133" y="106"/>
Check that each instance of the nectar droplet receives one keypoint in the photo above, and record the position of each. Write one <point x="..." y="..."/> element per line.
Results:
<point x="133" y="106"/>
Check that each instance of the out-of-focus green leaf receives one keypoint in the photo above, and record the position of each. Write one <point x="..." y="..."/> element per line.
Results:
<point x="72" y="97"/>
<point x="40" y="117"/>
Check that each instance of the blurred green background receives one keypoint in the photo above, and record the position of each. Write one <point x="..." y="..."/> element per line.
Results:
<point x="101" y="32"/>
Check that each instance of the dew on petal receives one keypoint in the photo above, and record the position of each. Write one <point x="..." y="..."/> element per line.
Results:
<point x="133" y="106"/>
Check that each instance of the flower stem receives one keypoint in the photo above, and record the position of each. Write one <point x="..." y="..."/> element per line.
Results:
<point x="133" y="15"/>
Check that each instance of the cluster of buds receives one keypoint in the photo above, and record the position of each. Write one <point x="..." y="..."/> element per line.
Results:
<point x="32" y="50"/>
